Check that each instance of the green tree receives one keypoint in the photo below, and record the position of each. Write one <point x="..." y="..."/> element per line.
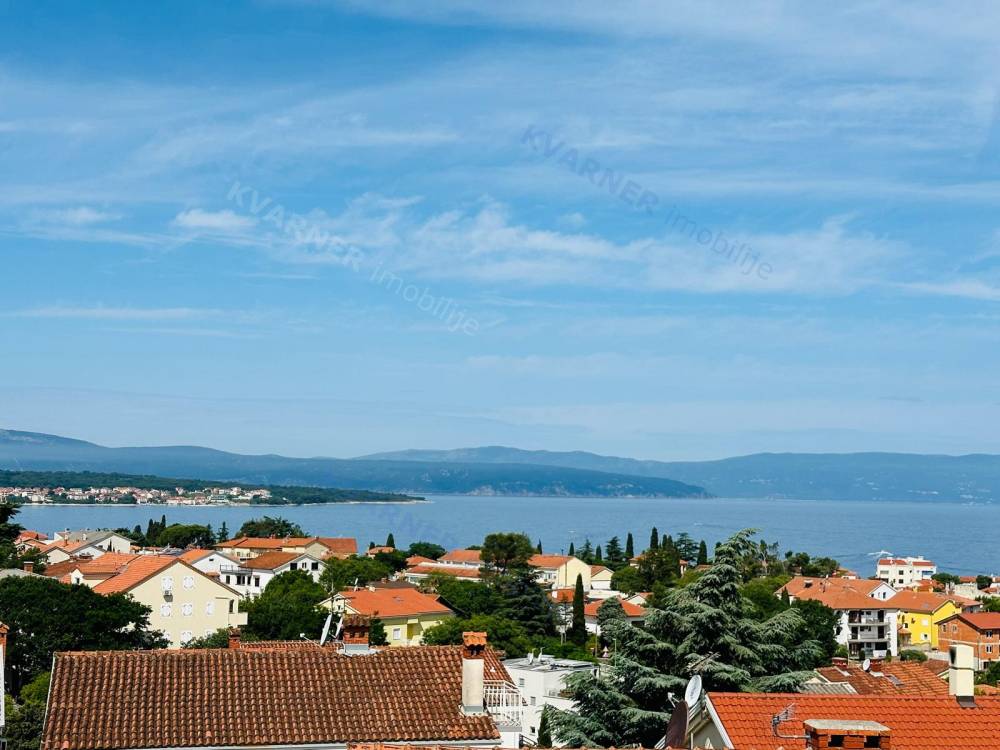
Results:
<point x="629" y="547"/>
<point x="10" y="557"/>
<point x="339" y="574"/>
<point x="613" y="553"/>
<point x="45" y="616"/>
<point x="185" y="535"/>
<point x="390" y="541"/>
<point x="25" y="723"/>
<point x="686" y="547"/>
<point x="628" y="580"/>
<point x="395" y="560"/>
<point x="572" y="550"/>
<point x="701" y="628"/>
<point x="598" y="556"/>
<point x="467" y="598"/>
<point x="503" y="634"/>
<point x="587" y="552"/>
<point x="983" y="582"/>
<point x="544" y="733"/>
<point x="503" y="552"/>
<point x="702" y="553"/>
<point x="223" y="535"/>
<point x="287" y="608"/>
<point x="654" y="539"/>
<point x="426" y="549"/>
<point x="578" y="630"/>
<point x="525" y="602"/>
<point x="538" y="547"/>
<point x="948" y="579"/>
<point x="219" y="639"/>
<point x="268" y="526"/>
<point x="376" y="632"/>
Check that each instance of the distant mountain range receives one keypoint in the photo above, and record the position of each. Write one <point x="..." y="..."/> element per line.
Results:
<point x="808" y="476"/>
<point x="495" y="470"/>
<point x="35" y="451"/>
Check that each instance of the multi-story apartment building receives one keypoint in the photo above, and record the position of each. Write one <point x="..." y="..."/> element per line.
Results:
<point x="904" y="572"/>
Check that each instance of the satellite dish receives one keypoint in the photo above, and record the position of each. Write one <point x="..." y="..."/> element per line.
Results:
<point x="326" y="628"/>
<point x="677" y="727"/>
<point x="340" y="626"/>
<point x="867" y="664"/>
<point x="692" y="693"/>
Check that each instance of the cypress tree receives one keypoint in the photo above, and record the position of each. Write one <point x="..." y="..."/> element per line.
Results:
<point x="578" y="630"/>
<point x="390" y="541"/>
<point x="629" y="547"/>
<point x="538" y="547"/>
<point x="597" y="554"/>
<point x="223" y="535"/>
<point x="572" y="550"/>
<point x="654" y="539"/>
<point x="544" y="733"/>
<point x="702" y="553"/>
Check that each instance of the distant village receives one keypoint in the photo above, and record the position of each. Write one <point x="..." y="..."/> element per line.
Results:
<point x="134" y="495"/>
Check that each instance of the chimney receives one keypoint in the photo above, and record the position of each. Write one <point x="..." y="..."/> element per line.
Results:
<point x="234" y="638"/>
<point x="473" y="689"/>
<point x="29" y="566"/>
<point x="840" y="662"/>
<point x="961" y="675"/>
<point x="851" y="735"/>
<point x="875" y="667"/>
<point x="355" y="636"/>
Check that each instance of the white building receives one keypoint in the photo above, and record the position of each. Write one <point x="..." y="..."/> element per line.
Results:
<point x="905" y="572"/>
<point x="250" y="577"/>
<point x="542" y="682"/>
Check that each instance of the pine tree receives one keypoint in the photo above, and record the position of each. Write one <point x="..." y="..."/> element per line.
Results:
<point x="390" y="541"/>
<point x="223" y="535"/>
<point x="702" y="553"/>
<point x="544" y="734"/>
<point x="578" y="630"/>
<point x="704" y="625"/>
<point x="572" y="550"/>
<point x="629" y="547"/>
<point x="613" y="552"/>
<point x="654" y="539"/>
<point x="587" y="552"/>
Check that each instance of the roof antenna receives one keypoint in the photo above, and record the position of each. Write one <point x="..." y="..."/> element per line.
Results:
<point x="782" y="717"/>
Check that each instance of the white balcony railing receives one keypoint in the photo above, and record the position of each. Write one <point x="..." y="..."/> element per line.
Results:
<point x="503" y="701"/>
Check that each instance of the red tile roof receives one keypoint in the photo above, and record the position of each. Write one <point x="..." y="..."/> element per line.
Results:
<point x="631" y="610"/>
<point x="837" y="593"/>
<point x="895" y="678"/>
<point x="269" y="696"/>
<point x="462" y="556"/>
<point x="414" y="560"/>
<point x="548" y="561"/>
<point x="138" y="571"/>
<point x="393" y="602"/>
<point x="339" y="545"/>
<point x="109" y="562"/>
<point x="916" y="723"/>
<point x="271" y="560"/>
<point x="979" y="620"/>
<point x="252" y="542"/>
<point x="923" y="601"/>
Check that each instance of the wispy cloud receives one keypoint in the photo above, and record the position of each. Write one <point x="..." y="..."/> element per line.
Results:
<point x="117" y="313"/>
<point x="216" y="221"/>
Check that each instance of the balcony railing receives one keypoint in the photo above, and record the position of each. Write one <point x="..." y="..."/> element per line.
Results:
<point x="503" y="701"/>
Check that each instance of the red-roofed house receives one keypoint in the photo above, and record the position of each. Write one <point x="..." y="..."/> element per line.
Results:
<point x="980" y="630"/>
<point x="904" y="572"/>
<point x="635" y="613"/>
<point x="560" y="571"/>
<point x="185" y="602"/>
<point x="405" y="613"/>
<point x="251" y="576"/>
<point x="244" y="547"/>
<point x="868" y="622"/>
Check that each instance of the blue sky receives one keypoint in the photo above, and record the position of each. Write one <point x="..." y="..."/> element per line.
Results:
<point x="323" y="228"/>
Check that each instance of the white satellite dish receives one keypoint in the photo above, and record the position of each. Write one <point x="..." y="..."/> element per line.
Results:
<point x="326" y="628"/>
<point x="340" y="626"/>
<point x="692" y="693"/>
<point x="867" y="664"/>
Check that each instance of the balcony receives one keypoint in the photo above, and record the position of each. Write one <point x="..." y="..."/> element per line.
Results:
<point x="503" y="701"/>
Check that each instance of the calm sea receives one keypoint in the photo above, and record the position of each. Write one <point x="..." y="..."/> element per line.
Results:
<point x="959" y="538"/>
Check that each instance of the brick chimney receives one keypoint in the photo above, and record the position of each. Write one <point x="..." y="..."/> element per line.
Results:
<point x="961" y="674"/>
<point x="29" y="566"/>
<point x="473" y="665"/>
<point x="355" y="636"/>
<point x="234" y="638"/>
<point x="851" y="735"/>
<point x="875" y="667"/>
<point x="840" y="662"/>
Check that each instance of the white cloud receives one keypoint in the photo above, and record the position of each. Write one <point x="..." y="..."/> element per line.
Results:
<point x="77" y="216"/>
<point x="213" y="221"/>
<point x="967" y="288"/>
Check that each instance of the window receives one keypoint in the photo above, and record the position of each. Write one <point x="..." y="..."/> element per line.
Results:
<point x="989" y="649"/>
<point x="165" y="610"/>
<point x="256" y="581"/>
<point x="520" y="682"/>
<point x="227" y="579"/>
<point x="315" y="566"/>
<point x="188" y="582"/>
<point x="186" y="636"/>
<point x="187" y="609"/>
<point x="397" y="633"/>
<point x="210" y="607"/>
<point x="293" y="566"/>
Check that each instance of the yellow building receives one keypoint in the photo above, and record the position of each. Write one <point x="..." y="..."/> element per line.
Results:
<point x="560" y="571"/>
<point x="920" y="613"/>
<point x="405" y="613"/>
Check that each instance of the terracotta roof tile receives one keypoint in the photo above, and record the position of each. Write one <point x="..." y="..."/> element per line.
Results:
<point x="548" y="561"/>
<point x="923" y="601"/>
<point x="462" y="556"/>
<point x="393" y="602"/>
<point x="137" y="571"/>
<point x="271" y="560"/>
<point x="447" y="570"/>
<point x="979" y="620"/>
<point x="631" y="610"/>
<point x="263" y="696"/>
<point x="916" y="723"/>
<point x="895" y="678"/>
